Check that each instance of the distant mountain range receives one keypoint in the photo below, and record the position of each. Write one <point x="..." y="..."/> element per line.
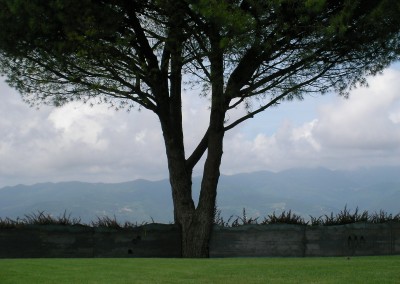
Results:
<point x="306" y="192"/>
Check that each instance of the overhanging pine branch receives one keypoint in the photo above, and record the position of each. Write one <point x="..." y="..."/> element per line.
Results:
<point x="275" y="100"/>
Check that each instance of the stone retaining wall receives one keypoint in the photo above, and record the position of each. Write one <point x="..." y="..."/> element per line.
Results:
<point x="300" y="241"/>
<point x="154" y="240"/>
<point x="158" y="240"/>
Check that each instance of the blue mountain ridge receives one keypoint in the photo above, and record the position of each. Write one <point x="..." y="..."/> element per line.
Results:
<point x="306" y="192"/>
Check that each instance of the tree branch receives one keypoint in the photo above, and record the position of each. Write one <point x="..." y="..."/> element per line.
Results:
<point x="275" y="100"/>
<point x="198" y="152"/>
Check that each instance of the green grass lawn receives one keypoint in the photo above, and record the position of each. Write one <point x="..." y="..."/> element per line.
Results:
<point x="382" y="269"/>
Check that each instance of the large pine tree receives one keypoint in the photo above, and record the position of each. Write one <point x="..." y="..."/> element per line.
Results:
<point x="141" y="52"/>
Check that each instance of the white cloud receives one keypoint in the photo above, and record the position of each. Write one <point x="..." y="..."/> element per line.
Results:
<point x="81" y="123"/>
<point x="363" y="130"/>
<point x="76" y="142"/>
<point x="366" y="120"/>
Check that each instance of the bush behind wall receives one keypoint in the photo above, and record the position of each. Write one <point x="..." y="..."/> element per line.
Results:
<point x="345" y="216"/>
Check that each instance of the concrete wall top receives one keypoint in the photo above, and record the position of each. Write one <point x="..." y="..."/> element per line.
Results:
<point x="83" y="228"/>
<point x="259" y="227"/>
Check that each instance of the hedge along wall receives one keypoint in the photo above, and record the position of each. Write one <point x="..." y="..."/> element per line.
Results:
<point x="157" y="240"/>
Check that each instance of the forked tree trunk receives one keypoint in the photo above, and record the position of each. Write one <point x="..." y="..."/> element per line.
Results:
<point x="195" y="222"/>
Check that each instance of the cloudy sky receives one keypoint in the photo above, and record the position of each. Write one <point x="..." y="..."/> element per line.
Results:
<point x="97" y="144"/>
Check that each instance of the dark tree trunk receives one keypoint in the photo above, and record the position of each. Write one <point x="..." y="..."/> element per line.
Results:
<point x="195" y="222"/>
<point x="196" y="233"/>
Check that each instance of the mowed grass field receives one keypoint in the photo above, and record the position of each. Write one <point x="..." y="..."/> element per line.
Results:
<point x="382" y="269"/>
